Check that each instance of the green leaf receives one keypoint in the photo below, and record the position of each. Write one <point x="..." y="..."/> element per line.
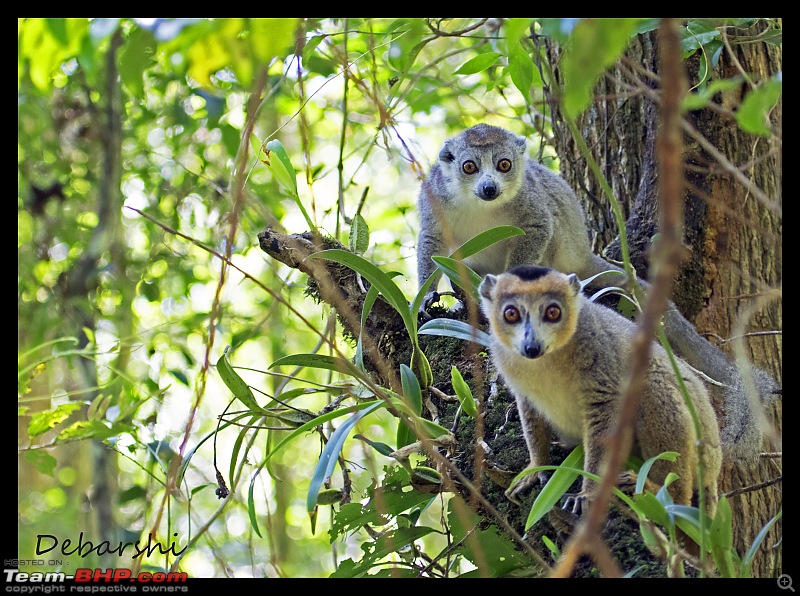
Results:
<point x="721" y="539"/>
<point x="700" y="98"/>
<point x="478" y="64"/>
<point x="327" y="460"/>
<point x="43" y="462"/>
<point x="91" y="429"/>
<point x="521" y="69"/>
<point x="359" y="235"/>
<point x="751" y="552"/>
<point x="457" y="329"/>
<point x="236" y="384"/>
<point x="237" y="445"/>
<point x="318" y="421"/>
<point x="651" y="508"/>
<point x="251" y="505"/>
<point x="323" y="361"/>
<point x="485" y="546"/>
<point x="391" y="292"/>
<point x="272" y="37"/>
<point x="277" y="160"/>
<point x="555" y="488"/>
<point x="385" y="502"/>
<point x="381" y="448"/>
<point x="645" y="469"/>
<point x="753" y="114"/>
<point x="485" y="240"/>
<point x="136" y="57"/>
<point x="463" y="393"/>
<point x="461" y="275"/>
<point x="595" y="44"/>
<point x="49" y="419"/>
<point x="369" y="301"/>
<point x="697" y="34"/>
<point x="413" y="400"/>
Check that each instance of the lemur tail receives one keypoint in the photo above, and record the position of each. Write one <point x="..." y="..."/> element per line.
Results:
<point x="742" y="419"/>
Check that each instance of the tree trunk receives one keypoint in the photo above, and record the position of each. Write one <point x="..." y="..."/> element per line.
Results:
<point x="733" y="237"/>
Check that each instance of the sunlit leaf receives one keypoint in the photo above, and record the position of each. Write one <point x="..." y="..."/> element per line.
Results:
<point x="595" y="44"/>
<point x="236" y="384"/>
<point x="463" y="393"/>
<point x="478" y="64"/>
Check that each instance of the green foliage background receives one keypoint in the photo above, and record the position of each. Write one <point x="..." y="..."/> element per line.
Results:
<point x="359" y="143"/>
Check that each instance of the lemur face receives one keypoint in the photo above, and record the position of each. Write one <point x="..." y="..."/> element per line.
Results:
<point x="484" y="162"/>
<point x="532" y="310"/>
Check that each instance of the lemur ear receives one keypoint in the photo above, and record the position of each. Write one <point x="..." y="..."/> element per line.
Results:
<point x="445" y="154"/>
<point x="574" y="283"/>
<point x="521" y="142"/>
<point x="487" y="285"/>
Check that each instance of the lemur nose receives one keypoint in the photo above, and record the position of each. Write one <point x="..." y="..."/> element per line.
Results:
<point x="531" y="350"/>
<point x="489" y="191"/>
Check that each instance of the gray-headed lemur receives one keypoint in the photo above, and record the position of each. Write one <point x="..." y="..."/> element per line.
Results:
<point x="567" y="358"/>
<point x="484" y="179"/>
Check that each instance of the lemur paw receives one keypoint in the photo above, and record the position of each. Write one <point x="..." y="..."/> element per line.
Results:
<point x="518" y="489"/>
<point x="431" y="298"/>
<point x="575" y="502"/>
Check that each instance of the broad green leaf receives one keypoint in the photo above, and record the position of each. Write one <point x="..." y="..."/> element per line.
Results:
<point x="43" y="462"/>
<point x="463" y="393"/>
<point x="595" y="44"/>
<point x="272" y="37"/>
<point x="486" y="546"/>
<point x="696" y="34"/>
<point x="456" y="329"/>
<point x="136" y="57"/>
<point x="91" y="429"/>
<point x="753" y="114"/>
<point x="478" y="64"/>
<point x="327" y="460"/>
<point x="358" y="241"/>
<point x="44" y="421"/>
<point x="236" y="384"/>
<point x="555" y="488"/>
<point x="391" y="292"/>
<point x="521" y="69"/>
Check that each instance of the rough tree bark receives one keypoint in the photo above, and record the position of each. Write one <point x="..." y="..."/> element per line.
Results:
<point x="734" y="238"/>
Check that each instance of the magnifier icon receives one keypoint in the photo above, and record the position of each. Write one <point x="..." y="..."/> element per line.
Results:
<point x="785" y="582"/>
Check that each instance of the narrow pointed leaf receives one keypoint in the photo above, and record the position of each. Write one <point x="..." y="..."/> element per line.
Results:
<point x="457" y="329"/>
<point x="236" y="384"/>
<point x="327" y="460"/>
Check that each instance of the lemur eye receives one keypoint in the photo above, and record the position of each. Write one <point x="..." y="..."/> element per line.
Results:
<point x="504" y="165"/>
<point x="552" y="314"/>
<point x="511" y="314"/>
<point x="469" y="167"/>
